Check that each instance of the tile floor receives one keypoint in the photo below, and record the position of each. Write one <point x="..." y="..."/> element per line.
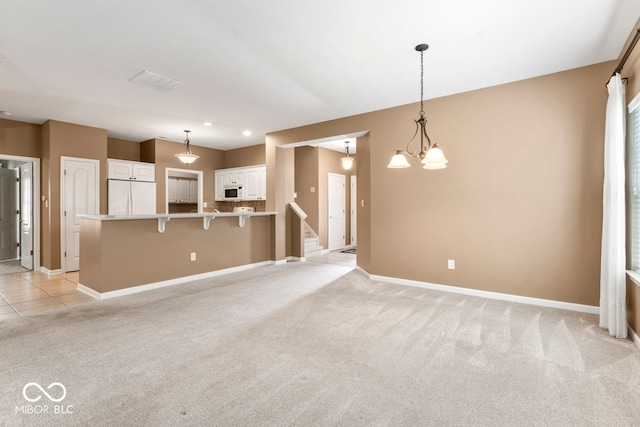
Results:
<point x="31" y="292"/>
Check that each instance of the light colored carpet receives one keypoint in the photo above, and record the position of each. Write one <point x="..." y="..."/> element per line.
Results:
<point x="314" y="344"/>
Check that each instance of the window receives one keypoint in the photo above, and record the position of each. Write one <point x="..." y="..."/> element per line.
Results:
<point x="633" y="132"/>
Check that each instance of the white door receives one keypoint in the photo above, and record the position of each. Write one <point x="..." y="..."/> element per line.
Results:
<point x="337" y="214"/>
<point x="26" y="215"/>
<point x="81" y="195"/>
<point x="8" y="215"/>
<point x="354" y="210"/>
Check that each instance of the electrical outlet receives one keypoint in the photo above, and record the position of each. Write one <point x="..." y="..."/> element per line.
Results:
<point x="451" y="264"/>
<point x="193" y="256"/>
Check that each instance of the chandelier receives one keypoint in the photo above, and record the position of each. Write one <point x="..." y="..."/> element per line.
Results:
<point x="347" y="161"/>
<point x="187" y="157"/>
<point x="429" y="154"/>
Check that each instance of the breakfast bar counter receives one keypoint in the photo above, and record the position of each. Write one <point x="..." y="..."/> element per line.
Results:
<point x="126" y="254"/>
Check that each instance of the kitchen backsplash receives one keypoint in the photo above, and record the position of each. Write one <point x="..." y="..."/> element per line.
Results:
<point x="211" y="206"/>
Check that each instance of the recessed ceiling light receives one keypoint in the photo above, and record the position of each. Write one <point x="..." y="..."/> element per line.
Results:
<point x="6" y="113"/>
<point x="247" y="133"/>
<point x="208" y="124"/>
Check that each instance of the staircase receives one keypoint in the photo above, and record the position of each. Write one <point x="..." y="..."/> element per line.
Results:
<point x="311" y="243"/>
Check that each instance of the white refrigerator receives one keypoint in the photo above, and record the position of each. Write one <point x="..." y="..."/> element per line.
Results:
<point x="131" y="197"/>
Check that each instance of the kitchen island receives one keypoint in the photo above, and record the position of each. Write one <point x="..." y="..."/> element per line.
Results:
<point x="126" y="254"/>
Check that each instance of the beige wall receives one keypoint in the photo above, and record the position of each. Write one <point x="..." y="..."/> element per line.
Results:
<point x="123" y="254"/>
<point x="280" y="192"/>
<point x="631" y="71"/>
<point x="363" y="216"/>
<point x="164" y="152"/>
<point x="518" y="208"/>
<point x="65" y="139"/>
<point x="20" y="139"/>
<point x="123" y="150"/>
<point x="246" y="156"/>
<point x="306" y="178"/>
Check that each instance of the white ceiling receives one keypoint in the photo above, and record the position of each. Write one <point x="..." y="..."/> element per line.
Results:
<point x="268" y="66"/>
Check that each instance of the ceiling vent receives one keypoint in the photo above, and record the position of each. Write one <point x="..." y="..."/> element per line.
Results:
<point x="156" y="81"/>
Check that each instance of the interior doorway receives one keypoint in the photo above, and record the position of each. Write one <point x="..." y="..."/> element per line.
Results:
<point x="80" y="194"/>
<point x="184" y="192"/>
<point x="26" y="215"/>
<point x="8" y="214"/>
<point x="353" y="208"/>
<point x="20" y="206"/>
<point x="337" y="213"/>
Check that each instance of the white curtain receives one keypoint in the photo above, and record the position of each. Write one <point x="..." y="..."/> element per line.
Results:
<point x="613" y="314"/>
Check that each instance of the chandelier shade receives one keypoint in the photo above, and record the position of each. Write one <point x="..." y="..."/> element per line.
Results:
<point x="398" y="161"/>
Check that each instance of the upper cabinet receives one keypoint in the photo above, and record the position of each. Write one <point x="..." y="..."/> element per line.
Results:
<point x="234" y="176"/>
<point x="253" y="180"/>
<point x="182" y="190"/>
<point x="219" y="185"/>
<point x="131" y="171"/>
<point x="255" y="183"/>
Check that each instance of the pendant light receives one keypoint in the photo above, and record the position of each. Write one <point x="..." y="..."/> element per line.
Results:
<point x="347" y="161"/>
<point x="430" y="155"/>
<point x="187" y="157"/>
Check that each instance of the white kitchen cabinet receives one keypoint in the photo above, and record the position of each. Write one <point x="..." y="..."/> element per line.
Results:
<point x="182" y="191"/>
<point x="131" y="171"/>
<point x="255" y="185"/>
<point x="252" y="184"/>
<point x="253" y="180"/>
<point x="144" y="172"/>
<point x="193" y="191"/>
<point x="263" y="183"/>
<point x="219" y="186"/>
<point x="234" y="176"/>
<point x="172" y="190"/>
<point x="119" y="169"/>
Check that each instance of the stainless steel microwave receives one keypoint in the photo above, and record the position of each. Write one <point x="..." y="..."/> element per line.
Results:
<point x="233" y="192"/>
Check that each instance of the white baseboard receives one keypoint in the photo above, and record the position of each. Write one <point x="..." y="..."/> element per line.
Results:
<point x="295" y="258"/>
<point x="486" y="294"/>
<point x="170" y="282"/>
<point x="278" y="262"/>
<point x="50" y="272"/>
<point x="362" y="271"/>
<point x="634" y="337"/>
<point x="86" y="290"/>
